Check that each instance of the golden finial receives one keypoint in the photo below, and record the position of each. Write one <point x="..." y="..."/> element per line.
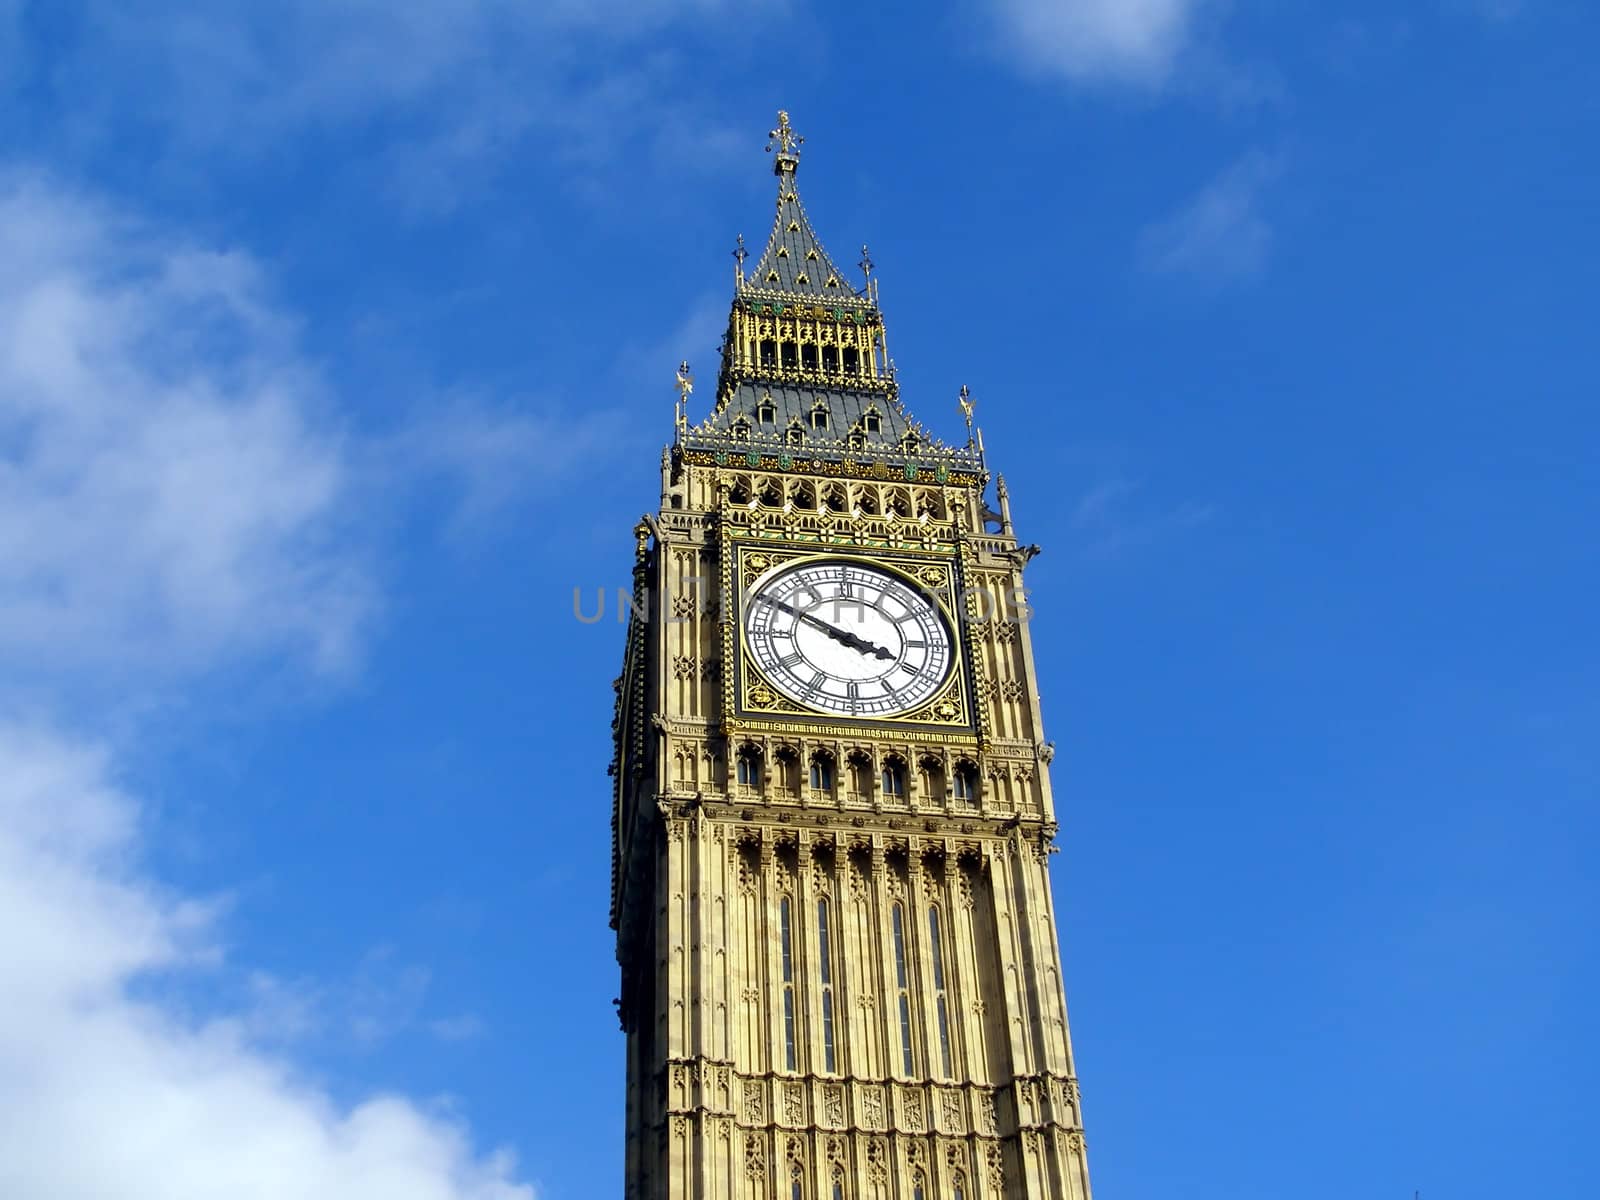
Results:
<point x="967" y="405"/>
<point x="783" y="137"/>
<point x="685" y="386"/>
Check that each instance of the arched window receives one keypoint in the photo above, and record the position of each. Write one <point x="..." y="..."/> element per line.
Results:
<point x="918" y="1192"/>
<point x="790" y="353"/>
<point x="788" y="770"/>
<point x="838" y="1183"/>
<point x="931" y="771"/>
<point x="786" y="951"/>
<point x="852" y="361"/>
<point x="747" y="767"/>
<point x="894" y="777"/>
<point x="897" y="921"/>
<point x="797" y="1187"/>
<point x="821" y="773"/>
<point x="825" y="972"/>
<point x="964" y="784"/>
<point x="808" y="356"/>
<point x="958" y="1187"/>
<point x="936" y="948"/>
<point x="860" y="774"/>
<point x="769" y="353"/>
<point x="830" y="359"/>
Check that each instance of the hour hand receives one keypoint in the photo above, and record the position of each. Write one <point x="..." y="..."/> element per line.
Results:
<point x="860" y="643"/>
<point x="842" y="636"/>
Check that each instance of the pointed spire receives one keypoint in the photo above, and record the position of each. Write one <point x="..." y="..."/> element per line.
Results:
<point x="794" y="260"/>
<point x="804" y="371"/>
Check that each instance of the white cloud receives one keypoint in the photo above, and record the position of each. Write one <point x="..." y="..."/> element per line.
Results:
<point x="169" y="488"/>
<point x="490" y="456"/>
<point x="1136" y="42"/>
<point x="381" y="999"/>
<point x="103" y="1093"/>
<point x="453" y="87"/>
<point x="175" y="494"/>
<point x="176" y="488"/>
<point x="1220" y="234"/>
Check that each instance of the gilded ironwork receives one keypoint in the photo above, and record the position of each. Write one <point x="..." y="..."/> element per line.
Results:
<point x="783" y="138"/>
<point x="935" y="577"/>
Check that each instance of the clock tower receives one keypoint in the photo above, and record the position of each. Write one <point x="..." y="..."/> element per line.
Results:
<point x="840" y="974"/>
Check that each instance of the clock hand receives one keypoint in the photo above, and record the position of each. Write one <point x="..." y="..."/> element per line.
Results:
<point x="843" y="636"/>
<point x="838" y="635"/>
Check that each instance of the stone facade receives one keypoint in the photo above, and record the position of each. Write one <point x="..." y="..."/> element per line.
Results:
<point x="840" y="974"/>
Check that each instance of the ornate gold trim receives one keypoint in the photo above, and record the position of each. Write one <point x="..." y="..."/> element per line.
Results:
<point x="756" y="697"/>
<point x="738" y="456"/>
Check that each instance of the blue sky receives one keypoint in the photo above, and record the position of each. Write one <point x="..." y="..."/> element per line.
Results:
<point x="327" y="328"/>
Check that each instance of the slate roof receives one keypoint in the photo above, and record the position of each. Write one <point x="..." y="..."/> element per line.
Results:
<point x="794" y="260"/>
<point x="846" y="408"/>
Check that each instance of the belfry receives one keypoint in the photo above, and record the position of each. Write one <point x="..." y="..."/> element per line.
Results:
<point x="840" y="970"/>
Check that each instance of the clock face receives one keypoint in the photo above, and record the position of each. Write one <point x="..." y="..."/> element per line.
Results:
<point x="847" y="637"/>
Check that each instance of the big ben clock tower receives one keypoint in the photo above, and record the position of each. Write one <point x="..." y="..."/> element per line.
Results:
<point x="840" y="975"/>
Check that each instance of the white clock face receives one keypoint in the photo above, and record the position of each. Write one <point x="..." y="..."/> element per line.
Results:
<point x="847" y="637"/>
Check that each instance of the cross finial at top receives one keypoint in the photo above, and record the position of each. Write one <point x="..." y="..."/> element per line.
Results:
<point x="866" y="264"/>
<point x="784" y="138"/>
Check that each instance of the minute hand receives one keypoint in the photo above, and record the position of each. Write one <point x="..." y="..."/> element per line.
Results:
<point x="843" y="636"/>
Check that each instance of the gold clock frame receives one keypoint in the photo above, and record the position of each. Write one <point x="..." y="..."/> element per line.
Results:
<point x="753" y="702"/>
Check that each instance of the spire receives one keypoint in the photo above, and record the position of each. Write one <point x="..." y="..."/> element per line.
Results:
<point x="794" y="261"/>
<point x="805" y="374"/>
